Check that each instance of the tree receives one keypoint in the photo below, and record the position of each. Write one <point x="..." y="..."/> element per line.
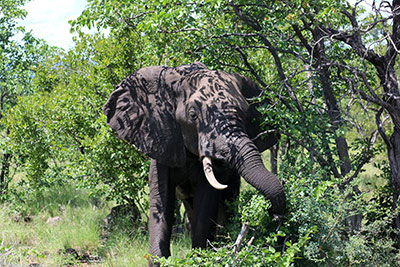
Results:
<point x="342" y="45"/>
<point x="19" y="52"/>
<point x="59" y="133"/>
<point x="386" y="94"/>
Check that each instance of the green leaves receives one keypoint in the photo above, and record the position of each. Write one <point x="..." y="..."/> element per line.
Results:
<point x="19" y="53"/>
<point x="260" y="248"/>
<point x="59" y="134"/>
<point x="253" y="208"/>
<point x="57" y="131"/>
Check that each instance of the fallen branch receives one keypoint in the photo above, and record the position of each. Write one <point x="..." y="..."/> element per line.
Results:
<point x="241" y="237"/>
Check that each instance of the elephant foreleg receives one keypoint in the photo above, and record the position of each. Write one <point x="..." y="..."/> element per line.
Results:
<point x="162" y="202"/>
<point x="210" y="208"/>
<point x="205" y="211"/>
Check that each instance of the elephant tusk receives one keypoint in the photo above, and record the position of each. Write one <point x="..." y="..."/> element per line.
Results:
<point x="208" y="171"/>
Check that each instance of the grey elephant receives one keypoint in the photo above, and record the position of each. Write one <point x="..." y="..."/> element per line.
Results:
<point x="202" y="136"/>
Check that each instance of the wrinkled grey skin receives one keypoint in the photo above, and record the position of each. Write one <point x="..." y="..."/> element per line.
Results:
<point x="177" y="116"/>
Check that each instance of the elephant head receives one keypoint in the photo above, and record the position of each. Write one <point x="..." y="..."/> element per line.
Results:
<point x="166" y="112"/>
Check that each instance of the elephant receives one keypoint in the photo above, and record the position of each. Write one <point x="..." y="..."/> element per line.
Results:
<point x="201" y="134"/>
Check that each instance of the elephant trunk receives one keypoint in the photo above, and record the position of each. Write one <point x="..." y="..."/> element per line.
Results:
<point x="246" y="159"/>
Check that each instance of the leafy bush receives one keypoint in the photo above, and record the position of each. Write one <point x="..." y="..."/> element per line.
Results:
<point x="317" y="230"/>
<point x="266" y="246"/>
<point x="325" y="205"/>
<point x="58" y="135"/>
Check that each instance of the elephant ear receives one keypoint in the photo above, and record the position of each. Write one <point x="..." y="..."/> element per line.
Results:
<point x="142" y="111"/>
<point x="251" y="90"/>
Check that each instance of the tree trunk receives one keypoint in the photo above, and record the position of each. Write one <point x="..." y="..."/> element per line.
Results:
<point x="394" y="157"/>
<point x="336" y="121"/>
<point x="274" y="158"/>
<point x="4" y="173"/>
<point x="397" y="218"/>
<point x="394" y="162"/>
<point x="354" y="222"/>
<point x="391" y="88"/>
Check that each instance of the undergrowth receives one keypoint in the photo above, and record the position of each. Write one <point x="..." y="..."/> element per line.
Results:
<point x="65" y="226"/>
<point x="61" y="225"/>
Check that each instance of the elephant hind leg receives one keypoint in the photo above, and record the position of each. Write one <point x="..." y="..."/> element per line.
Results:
<point x="188" y="204"/>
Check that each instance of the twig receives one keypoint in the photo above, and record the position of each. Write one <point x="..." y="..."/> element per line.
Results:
<point x="264" y="133"/>
<point x="366" y="157"/>
<point x="251" y="240"/>
<point x="180" y="30"/>
<point x="319" y="157"/>
<point x="211" y="245"/>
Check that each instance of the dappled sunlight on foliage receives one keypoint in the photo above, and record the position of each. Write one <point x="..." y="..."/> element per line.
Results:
<point x="328" y="70"/>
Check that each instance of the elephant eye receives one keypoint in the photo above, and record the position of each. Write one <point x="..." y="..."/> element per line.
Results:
<point x="193" y="114"/>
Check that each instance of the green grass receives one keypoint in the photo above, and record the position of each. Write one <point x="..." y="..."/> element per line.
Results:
<point x="79" y="226"/>
<point x="125" y="251"/>
<point x="30" y="238"/>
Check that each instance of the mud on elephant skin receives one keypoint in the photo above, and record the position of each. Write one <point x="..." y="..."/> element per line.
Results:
<point x="201" y="134"/>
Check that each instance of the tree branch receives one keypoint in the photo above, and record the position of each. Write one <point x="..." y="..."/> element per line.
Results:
<point x="303" y="40"/>
<point x="242" y="235"/>
<point x="256" y="26"/>
<point x="320" y="159"/>
<point x="381" y="131"/>
<point x="180" y="30"/>
<point x="258" y="78"/>
<point x="367" y="155"/>
<point x="355" y="41"/>
<point x="394" y="44"/>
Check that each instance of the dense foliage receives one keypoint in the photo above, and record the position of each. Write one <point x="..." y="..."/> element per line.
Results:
<point x="58" y="134"/>
<point x="320" y="64"/>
